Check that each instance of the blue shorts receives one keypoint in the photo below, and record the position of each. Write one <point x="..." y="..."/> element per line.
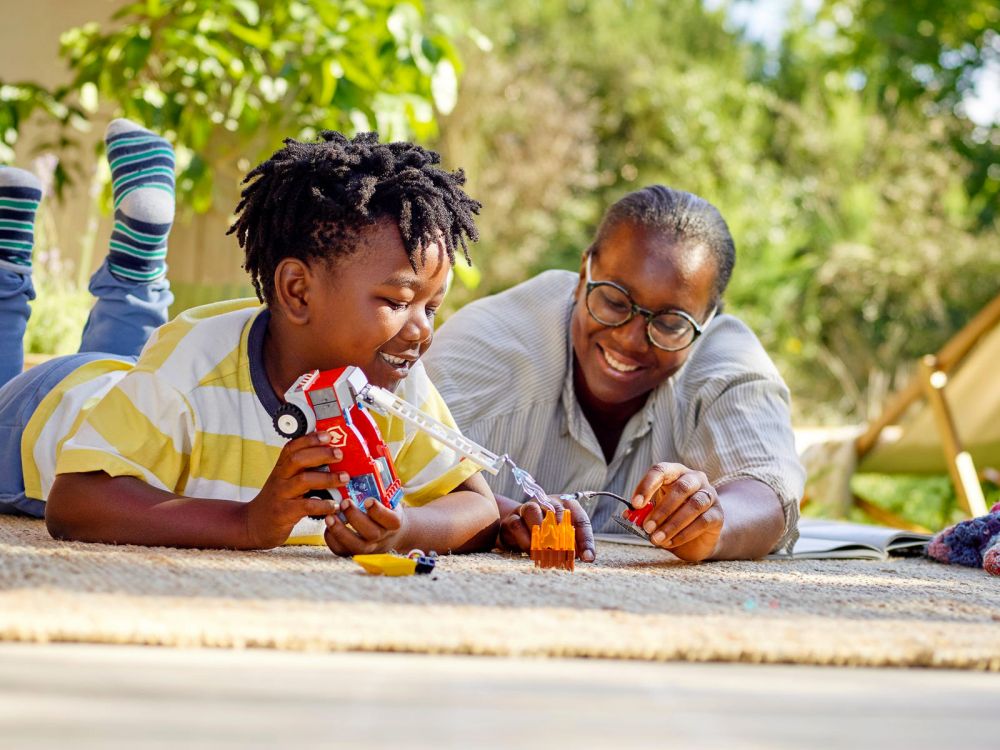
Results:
<point x="18" y="400"/>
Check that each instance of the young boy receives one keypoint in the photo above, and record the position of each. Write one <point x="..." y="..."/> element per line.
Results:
<point x="349" y="244"/>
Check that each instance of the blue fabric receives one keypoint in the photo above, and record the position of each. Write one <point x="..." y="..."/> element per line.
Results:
<point x="18" y="400"/>
<point x="125" y="314"/>
<point x="16" y="290"/>
<point x="122" y="319"/>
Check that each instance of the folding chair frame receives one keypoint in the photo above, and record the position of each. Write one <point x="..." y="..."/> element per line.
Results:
<point x="932" y="377"/>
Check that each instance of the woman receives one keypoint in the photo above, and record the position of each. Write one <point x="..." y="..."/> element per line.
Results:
<point x="627" y="377"/>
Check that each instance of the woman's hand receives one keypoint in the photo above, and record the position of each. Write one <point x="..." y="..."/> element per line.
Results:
<point x="518" y="518"/>
<point x="687" y="517"/>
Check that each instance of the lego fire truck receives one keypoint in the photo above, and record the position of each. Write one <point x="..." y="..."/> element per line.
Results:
<point x="338" y="401"/>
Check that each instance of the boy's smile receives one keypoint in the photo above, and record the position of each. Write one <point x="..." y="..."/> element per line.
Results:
<point x="369" y="308"/>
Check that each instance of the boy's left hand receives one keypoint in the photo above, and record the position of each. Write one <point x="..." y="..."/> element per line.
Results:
<point x="380" y="529"/>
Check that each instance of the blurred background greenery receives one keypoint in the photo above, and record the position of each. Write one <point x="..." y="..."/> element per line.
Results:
<point x="852" y="146"/>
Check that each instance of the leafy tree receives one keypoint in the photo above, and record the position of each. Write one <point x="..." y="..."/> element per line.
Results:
<point x="895" y="226"/>
<point x="561" y="116"/>
<point x="923" y="57"/>
<point x="227" y="79"/>
<point x="860" y="245"/>
<point x="19" y="102"/>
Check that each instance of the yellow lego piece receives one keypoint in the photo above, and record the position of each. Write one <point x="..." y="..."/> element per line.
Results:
<point x="387" y="565"/>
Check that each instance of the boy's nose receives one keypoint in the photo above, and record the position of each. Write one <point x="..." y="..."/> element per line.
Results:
<point x="418" y="328"/>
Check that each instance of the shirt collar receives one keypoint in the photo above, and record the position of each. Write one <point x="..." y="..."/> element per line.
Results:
<point x="572" y="416"/>
<point x="255" y="354"/>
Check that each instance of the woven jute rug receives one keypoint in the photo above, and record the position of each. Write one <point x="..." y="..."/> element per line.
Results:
<point x="633" y="603"/>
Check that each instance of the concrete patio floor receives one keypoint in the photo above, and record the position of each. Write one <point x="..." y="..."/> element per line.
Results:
<point x="124" y="696"/>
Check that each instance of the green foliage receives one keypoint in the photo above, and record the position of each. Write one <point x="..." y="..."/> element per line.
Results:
<point x="861" y="241"/>
<point x="226" y="80"/>
<point x="59" y="310"/>
<point x="895" y="239"/>
<point x="559" y="116"/>
<point x="18" y="102"/>
<point x="862" y="199"/>
<point x="928" y="501"/>
<point x="921" y="58"/>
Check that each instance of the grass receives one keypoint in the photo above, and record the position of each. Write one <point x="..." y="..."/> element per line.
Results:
<point x="927" y="500"/>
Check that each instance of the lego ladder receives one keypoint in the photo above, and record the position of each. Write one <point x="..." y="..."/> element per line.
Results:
<point x="387" y="402"/>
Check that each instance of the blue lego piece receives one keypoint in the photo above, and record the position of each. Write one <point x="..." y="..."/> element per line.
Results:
<point x="362" y="487"/>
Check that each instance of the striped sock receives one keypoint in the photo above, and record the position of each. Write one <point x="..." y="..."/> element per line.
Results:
<point x="20" y="193"/>
<point x="142" y="182"/>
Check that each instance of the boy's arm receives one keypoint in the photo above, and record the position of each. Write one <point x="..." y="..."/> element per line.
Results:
<point x="96" y="507"/>
<point x="464" y="520"/>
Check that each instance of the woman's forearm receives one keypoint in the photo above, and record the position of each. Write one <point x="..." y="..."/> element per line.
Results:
<point x="754" y="520"/>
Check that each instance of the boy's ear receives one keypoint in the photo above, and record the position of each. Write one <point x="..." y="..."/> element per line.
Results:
<point x="293" y="279"/>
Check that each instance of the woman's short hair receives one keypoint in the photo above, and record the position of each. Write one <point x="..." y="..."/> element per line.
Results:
<point x="684" y="218"/>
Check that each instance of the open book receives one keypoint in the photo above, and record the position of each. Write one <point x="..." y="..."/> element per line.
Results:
<point x="820" y="540"/>
<point x="840" y="539"/>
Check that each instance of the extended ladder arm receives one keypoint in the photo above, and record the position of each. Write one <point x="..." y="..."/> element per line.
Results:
<point x="386" y="402"/>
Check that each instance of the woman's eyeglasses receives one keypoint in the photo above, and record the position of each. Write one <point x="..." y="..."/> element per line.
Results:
<point x="612" y="306"/>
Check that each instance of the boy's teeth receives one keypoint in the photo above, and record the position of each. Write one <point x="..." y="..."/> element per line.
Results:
<point x="618" y="365"/>
<point x="395" y="361"/>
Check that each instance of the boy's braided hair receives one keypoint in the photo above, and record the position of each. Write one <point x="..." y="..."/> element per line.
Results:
<point x="312" y="200"/>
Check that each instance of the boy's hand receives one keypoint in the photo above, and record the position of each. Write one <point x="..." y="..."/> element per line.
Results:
<point x="515" y="527"/>
<point x="380" y="529"/>
<point x="687" y="518"/>
<point x="282" y="501"/>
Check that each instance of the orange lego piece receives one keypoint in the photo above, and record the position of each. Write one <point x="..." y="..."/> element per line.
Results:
<point x="553" y="545"/>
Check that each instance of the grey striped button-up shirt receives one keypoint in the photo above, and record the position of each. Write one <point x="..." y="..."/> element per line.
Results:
<point x="504" y="366"/>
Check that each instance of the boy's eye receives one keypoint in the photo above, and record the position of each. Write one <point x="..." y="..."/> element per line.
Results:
<point x="431" y="312"/>
<point x="396" y="305"/>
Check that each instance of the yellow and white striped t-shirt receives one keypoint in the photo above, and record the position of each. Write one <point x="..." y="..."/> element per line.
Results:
<point x="187" y="419"/>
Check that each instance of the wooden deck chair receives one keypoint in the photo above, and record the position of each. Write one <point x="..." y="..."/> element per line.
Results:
<point x="947" y="418"/>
